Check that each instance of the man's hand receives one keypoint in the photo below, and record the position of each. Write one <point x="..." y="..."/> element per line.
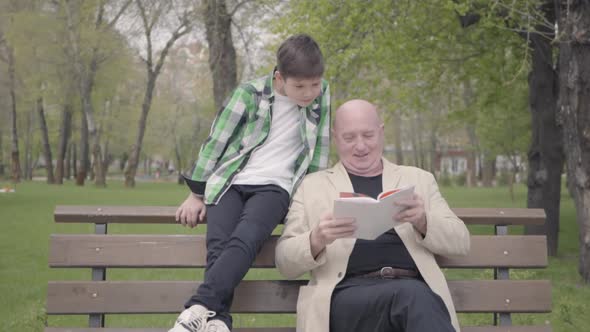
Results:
<point x="413" y="213"/>
<point x="191" y="211"/>
<point x="330" y="229"/>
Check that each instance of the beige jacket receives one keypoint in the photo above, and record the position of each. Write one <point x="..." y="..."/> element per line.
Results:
<point x="446" y="235"/>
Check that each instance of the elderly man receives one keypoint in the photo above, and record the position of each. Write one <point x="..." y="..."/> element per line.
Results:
<point x="392" y="283"/>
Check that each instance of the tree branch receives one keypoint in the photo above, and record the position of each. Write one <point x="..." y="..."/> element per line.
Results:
<point x="182" y="30"/>
<point x="118" y="15"/>
<point x="147" y="31"/>
<point x="240" y="4"/>
<point x="246" y="47"/>
<point x="3" y="46"/>
<point x="100" y="15"/>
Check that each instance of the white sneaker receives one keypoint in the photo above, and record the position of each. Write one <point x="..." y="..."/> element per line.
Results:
<point x="216" y="326"/>
<point x="193" y="319"/>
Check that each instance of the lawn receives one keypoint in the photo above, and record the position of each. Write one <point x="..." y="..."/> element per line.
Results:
<point x="27" y="219"/>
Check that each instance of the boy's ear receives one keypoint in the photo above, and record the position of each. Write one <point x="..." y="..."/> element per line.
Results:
<point x="279" y="76"/>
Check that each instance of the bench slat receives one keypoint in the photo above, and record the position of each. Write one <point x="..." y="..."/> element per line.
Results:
<point x="84" y="297"/>
<point x="291" y="329"/>
<point x="189" y="251"/>
<point x="165" y="215"/>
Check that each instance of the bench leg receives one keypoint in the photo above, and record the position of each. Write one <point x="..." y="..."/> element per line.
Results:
<point x="502" y="319"/>
<point x="98" y="274"/>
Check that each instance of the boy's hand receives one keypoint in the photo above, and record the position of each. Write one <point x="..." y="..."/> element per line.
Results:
<point x="413" y="213"/>
<point x="191" y="211"/>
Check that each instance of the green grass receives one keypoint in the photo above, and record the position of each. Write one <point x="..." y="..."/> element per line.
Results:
<point x="26" y="217"/>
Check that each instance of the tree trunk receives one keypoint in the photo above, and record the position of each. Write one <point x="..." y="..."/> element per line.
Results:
<point x="15" y="168"/>
<point x="414" y="138"/>
<point x="45" y="141"/>
<point x="1" y="154"/>
<point x="134" y="154"/>
<point x="222" y="54"/>
<point x="100" y="176"/>
<point x="433" y="151"/>
<point x="473" y="151"/>
<point x="177" y="154"/>
<point x="489" y="164"/>
<point x="418" y="122"/>
<point x="545" y="156"/>
<point x="86" y="77"/>
<point x="574" y="108"/>
<point x="397" y="132"/>
<point x="68" y="162"/>
<point x="100" y="162"/>
<point x="153" y="70"/>
<point x="64" y="136"/>
<point x="91" y="169"/>
<point x="74" y="161"/>
<point x="82" y="171"/>
<point x="28" y="162"/>
<point x="471" y="176"/>
<point x="106" y="160"/>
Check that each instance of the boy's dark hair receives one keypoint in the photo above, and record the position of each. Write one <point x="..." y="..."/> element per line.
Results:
<point x="300" y="56"/>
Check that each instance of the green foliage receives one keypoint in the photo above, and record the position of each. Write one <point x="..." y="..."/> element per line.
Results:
<point x="44" y="68"/>
<point x="402" y="57"/>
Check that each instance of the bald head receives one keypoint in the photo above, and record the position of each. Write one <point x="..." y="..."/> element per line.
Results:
<point x="358" y="134"/>
<point x="357" y="109"/>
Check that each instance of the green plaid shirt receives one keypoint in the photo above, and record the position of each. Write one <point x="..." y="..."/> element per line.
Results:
<point x="243" y="124"/>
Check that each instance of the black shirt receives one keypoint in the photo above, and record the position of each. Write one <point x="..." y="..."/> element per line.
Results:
<point x="387" y="249"/>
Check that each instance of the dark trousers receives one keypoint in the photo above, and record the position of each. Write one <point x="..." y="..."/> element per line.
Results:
<point x="237" y="227"/>
<point x="387" y="305"/>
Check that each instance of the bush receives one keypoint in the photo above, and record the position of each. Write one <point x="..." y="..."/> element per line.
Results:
<point x="503" y="178"/>
<point x="445" y="180"/>
<point x="461" y="179"/>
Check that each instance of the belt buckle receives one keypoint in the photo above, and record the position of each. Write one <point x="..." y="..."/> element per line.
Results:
<point x="387" y="272"/>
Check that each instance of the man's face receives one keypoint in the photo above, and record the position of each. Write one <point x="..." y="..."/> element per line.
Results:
<point x="358" y="135"/>
<point x="301" y="91"/>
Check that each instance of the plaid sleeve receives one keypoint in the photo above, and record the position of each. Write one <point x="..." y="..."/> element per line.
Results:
<point x="322" y="148"/>
<point x="226" y="123"/>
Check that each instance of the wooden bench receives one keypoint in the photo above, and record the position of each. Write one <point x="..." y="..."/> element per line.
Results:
<point x="98" y="297"/>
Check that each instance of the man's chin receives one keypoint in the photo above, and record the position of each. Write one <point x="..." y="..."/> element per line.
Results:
<point x="362" y="169"/>
<point x="359" y="169"/>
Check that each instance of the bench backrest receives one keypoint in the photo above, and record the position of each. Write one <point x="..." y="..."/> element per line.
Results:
<point x="497" y="295"/>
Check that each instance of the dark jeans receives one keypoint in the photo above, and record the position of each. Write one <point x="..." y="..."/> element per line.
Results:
<point x="387" y="305"/>
<point x="237" y="227"/>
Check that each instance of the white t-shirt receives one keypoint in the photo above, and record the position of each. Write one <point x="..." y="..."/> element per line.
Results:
<point x="274" y="161"/>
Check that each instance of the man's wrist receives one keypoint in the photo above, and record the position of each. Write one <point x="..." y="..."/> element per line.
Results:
<point x="315" y="244"/>
<point x="422" y="227"/>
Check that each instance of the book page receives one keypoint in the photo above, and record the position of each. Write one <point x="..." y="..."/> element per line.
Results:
<point x="372" y="218"/>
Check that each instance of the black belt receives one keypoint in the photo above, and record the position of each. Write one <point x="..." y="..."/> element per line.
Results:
<point x="389" y="272"/>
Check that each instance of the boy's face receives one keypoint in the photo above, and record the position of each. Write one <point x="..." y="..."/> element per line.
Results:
<point x="302" y="91"/>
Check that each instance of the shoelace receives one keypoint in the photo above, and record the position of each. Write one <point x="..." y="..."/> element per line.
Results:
<point x="195" y="322"/>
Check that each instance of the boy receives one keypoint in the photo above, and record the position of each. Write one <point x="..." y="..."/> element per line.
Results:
<point x="268" y="135"/>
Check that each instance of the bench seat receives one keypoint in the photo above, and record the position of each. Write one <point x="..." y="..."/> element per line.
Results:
<point x="496" y="294"/>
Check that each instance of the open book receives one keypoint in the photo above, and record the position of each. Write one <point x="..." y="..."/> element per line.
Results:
<point x="373" y="216"/>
